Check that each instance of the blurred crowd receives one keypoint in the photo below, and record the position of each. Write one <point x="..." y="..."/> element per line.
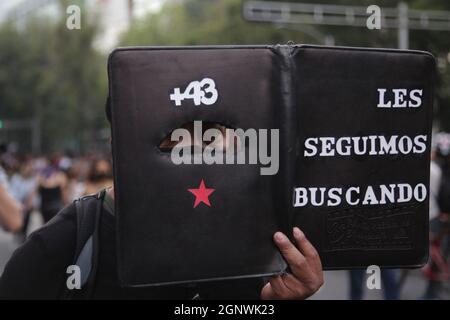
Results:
<point x="46" y="184"/>
<point x="436" y="271"/>
<point x="437" y="268"/>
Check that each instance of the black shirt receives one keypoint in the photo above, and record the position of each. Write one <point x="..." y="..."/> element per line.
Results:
<point x="37" y="269"/>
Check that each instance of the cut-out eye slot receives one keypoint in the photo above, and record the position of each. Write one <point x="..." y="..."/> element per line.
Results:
<point x="200" y="135"/>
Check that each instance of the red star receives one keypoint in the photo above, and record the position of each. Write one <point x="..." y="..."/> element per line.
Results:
<point x="201" y="194"/>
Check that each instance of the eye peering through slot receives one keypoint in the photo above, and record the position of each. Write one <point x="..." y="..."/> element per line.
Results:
<point x="196" y="131"/>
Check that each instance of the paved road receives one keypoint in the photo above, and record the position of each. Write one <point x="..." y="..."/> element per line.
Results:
<point x="7" y="246"/>
<point x="8" y="243"/>
<point x="335" y="287"/>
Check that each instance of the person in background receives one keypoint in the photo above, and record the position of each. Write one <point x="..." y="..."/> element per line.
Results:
<point x="435" y="184"/>
<point x="75" y="184"/>
<point x="434" y="210"/>
<point x="10" y="209"/>
<point x="437" y="270"/>
<point x="99" y="176"/>
<point x="52" y="188"/>
<point x="389" y="279"/>
<point x="23" y="189"/>
<point x="48" y="263"/>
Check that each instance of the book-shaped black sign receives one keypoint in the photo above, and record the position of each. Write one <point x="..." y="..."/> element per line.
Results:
<point x="216" y="148"/>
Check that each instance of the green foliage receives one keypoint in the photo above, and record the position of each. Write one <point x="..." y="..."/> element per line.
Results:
<point x="195" y="22"/>
<point x="192" y="22"/>
<point x="54" y="75"/>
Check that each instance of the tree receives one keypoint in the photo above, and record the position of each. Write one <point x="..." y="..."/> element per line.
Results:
<point x="193" y="22"/>
<point x="53" y="75"/>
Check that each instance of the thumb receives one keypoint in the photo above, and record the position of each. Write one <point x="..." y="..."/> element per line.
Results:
<point x="267" y="292"/>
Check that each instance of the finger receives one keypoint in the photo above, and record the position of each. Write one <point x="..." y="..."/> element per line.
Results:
<point x="297" y="262"/>
<point x="295" y="286"/>
<point x="279" y="288"/>
<point x="305" y="247"/>
<point x="310" y="253"/>
<point x="267" y="292"/>
<point x="303" y="244"/>
<point x="276" y="289"/>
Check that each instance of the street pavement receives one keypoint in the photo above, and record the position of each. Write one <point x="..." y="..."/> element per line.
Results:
<point x="336" y="287"/>
<point x="9" y="242"/>
<point x="7" y="246"/>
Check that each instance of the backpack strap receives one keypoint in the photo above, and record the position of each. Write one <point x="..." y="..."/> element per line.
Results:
<point x="88" y="213"/>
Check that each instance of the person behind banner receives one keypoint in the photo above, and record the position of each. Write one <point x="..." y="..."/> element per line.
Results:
<point x="10" y="209"/>
<point x="40" y="268"/>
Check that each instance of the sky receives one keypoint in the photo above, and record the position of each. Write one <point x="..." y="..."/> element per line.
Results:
<point x="114" y="17"/>
<point x="141" y="7"/>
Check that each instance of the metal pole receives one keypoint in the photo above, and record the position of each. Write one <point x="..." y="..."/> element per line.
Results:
<point x="130" y="11"/>
<point x="403" y="28"/>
